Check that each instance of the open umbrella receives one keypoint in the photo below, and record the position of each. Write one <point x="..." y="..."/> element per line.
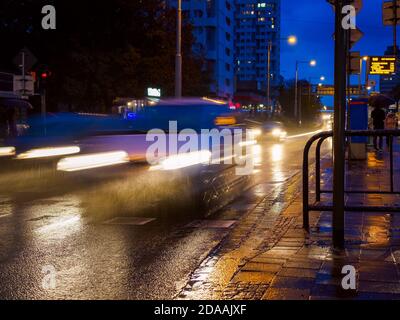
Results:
<point x="381" y="101"/>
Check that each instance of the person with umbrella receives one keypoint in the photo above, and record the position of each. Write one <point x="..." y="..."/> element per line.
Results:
<point x="391" y="123"/>
<point x="378" y="116"/>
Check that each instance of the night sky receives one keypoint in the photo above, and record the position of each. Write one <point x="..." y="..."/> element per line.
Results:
<point x="312" y="21"/>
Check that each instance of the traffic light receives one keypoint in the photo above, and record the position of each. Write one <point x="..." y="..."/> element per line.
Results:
<point x="44" y="75"/>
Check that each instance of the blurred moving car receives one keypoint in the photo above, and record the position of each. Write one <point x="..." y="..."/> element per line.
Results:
<point x="270" y="130"/>
<point x="59" y="132"/>
<point x="78" y="144"/>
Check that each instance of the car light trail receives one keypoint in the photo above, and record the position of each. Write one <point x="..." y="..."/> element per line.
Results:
<point x="184" y="160"/>
<point x="247" y="143"/>
<point x="48" y="152"/>
<point x="255" y="132"/>
<point x="7" y="151"/>
<point x="303" y="134"/>
<point x="92" y="161"/>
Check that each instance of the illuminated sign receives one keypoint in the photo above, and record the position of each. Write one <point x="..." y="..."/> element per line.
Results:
<point x="329" y="90"/>
<point x="382" y="65"/>
<point x="154" y="92"/>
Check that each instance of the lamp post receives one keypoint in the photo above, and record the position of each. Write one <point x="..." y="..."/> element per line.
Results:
<point x="360" y="75"/>
<point x="297" y="110"/>
<point x="291" y="40"/>
<point x="178" y="59"/>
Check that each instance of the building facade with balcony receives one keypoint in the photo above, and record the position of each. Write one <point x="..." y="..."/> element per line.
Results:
<point x="213" y="22"/>
<point x="257" y="22"/>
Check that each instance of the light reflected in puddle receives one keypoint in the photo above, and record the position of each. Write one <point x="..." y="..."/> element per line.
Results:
<point x="6" y="208"/>
<point x="277" y="153"/>
<point x="57" y="218"/>
<point x="63" y="225"/>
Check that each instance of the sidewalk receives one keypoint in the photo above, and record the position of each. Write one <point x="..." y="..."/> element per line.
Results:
<point x="269" y="256"/>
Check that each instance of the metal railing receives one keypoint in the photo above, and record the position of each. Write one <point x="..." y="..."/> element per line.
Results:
<point x="320" y="206"/>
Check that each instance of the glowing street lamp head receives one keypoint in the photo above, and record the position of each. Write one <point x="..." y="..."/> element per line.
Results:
<point x="292" y="40"/>
<point x="322" y="78"/>
<point x="365" y="58"/>
<point x="313" y="63"/>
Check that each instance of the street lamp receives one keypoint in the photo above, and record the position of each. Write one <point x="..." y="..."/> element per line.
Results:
<point x="297" y="111"/>
<point x="291" y="40"/>
<point x="178" y="59"/>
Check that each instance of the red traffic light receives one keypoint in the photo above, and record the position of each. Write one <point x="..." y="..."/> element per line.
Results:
<point x="44" y="75"/>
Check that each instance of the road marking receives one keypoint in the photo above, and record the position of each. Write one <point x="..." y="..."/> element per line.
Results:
<point x="133" y="221"/>
<point x="5" y="215"/>
<point x="212" y="224"/>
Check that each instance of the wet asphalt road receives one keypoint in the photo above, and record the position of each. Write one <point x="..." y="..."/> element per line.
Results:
<point x="97" y="260"/>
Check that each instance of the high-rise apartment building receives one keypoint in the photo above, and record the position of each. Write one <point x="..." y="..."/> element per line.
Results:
<point x="257" y="22"/>
<point x="213" y="22"/>
<point x="233" y="35"/>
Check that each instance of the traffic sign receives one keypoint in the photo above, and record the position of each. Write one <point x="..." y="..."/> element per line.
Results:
<point x="357" y="4"/>
<point x="25" y="59"/>
<point x="355" y="36"/>
<point x="354" y="62"/>
<point x="24" y="85"/>
<point x="389" y="13"/>
<point x="382" y="65"/>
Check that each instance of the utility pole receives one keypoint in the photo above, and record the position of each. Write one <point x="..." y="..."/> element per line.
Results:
<point x="178" y="60"/>
<point x="269" y="74"/>
<point x="296" y="113"/>
<point x="23" y="73"/>
<point x="341" y="48"/>
<point x="395" y="28"/>
<point x="359" y="76"/>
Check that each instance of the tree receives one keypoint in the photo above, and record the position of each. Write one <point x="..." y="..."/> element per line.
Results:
<point x="310" y="104"/>
<point x="102" y="50"/>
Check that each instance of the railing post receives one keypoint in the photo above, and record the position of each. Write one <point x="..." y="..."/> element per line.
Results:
<point x="318" y="170"/>
<point x="306" y="189"/>
<point x="390" y="137"/>
<point x="306" y="221"/>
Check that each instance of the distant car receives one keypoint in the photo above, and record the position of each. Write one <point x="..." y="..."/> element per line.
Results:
<point x="271" y="130"/>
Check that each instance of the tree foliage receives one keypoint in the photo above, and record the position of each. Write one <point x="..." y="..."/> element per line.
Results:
<point x="102" y="49"/>
<point x="310" y="103"/>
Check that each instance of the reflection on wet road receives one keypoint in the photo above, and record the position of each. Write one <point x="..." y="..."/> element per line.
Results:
<point x="100" y="260"/>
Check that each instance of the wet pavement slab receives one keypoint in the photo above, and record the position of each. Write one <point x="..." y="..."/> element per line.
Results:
<point x="269" y="256"/>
